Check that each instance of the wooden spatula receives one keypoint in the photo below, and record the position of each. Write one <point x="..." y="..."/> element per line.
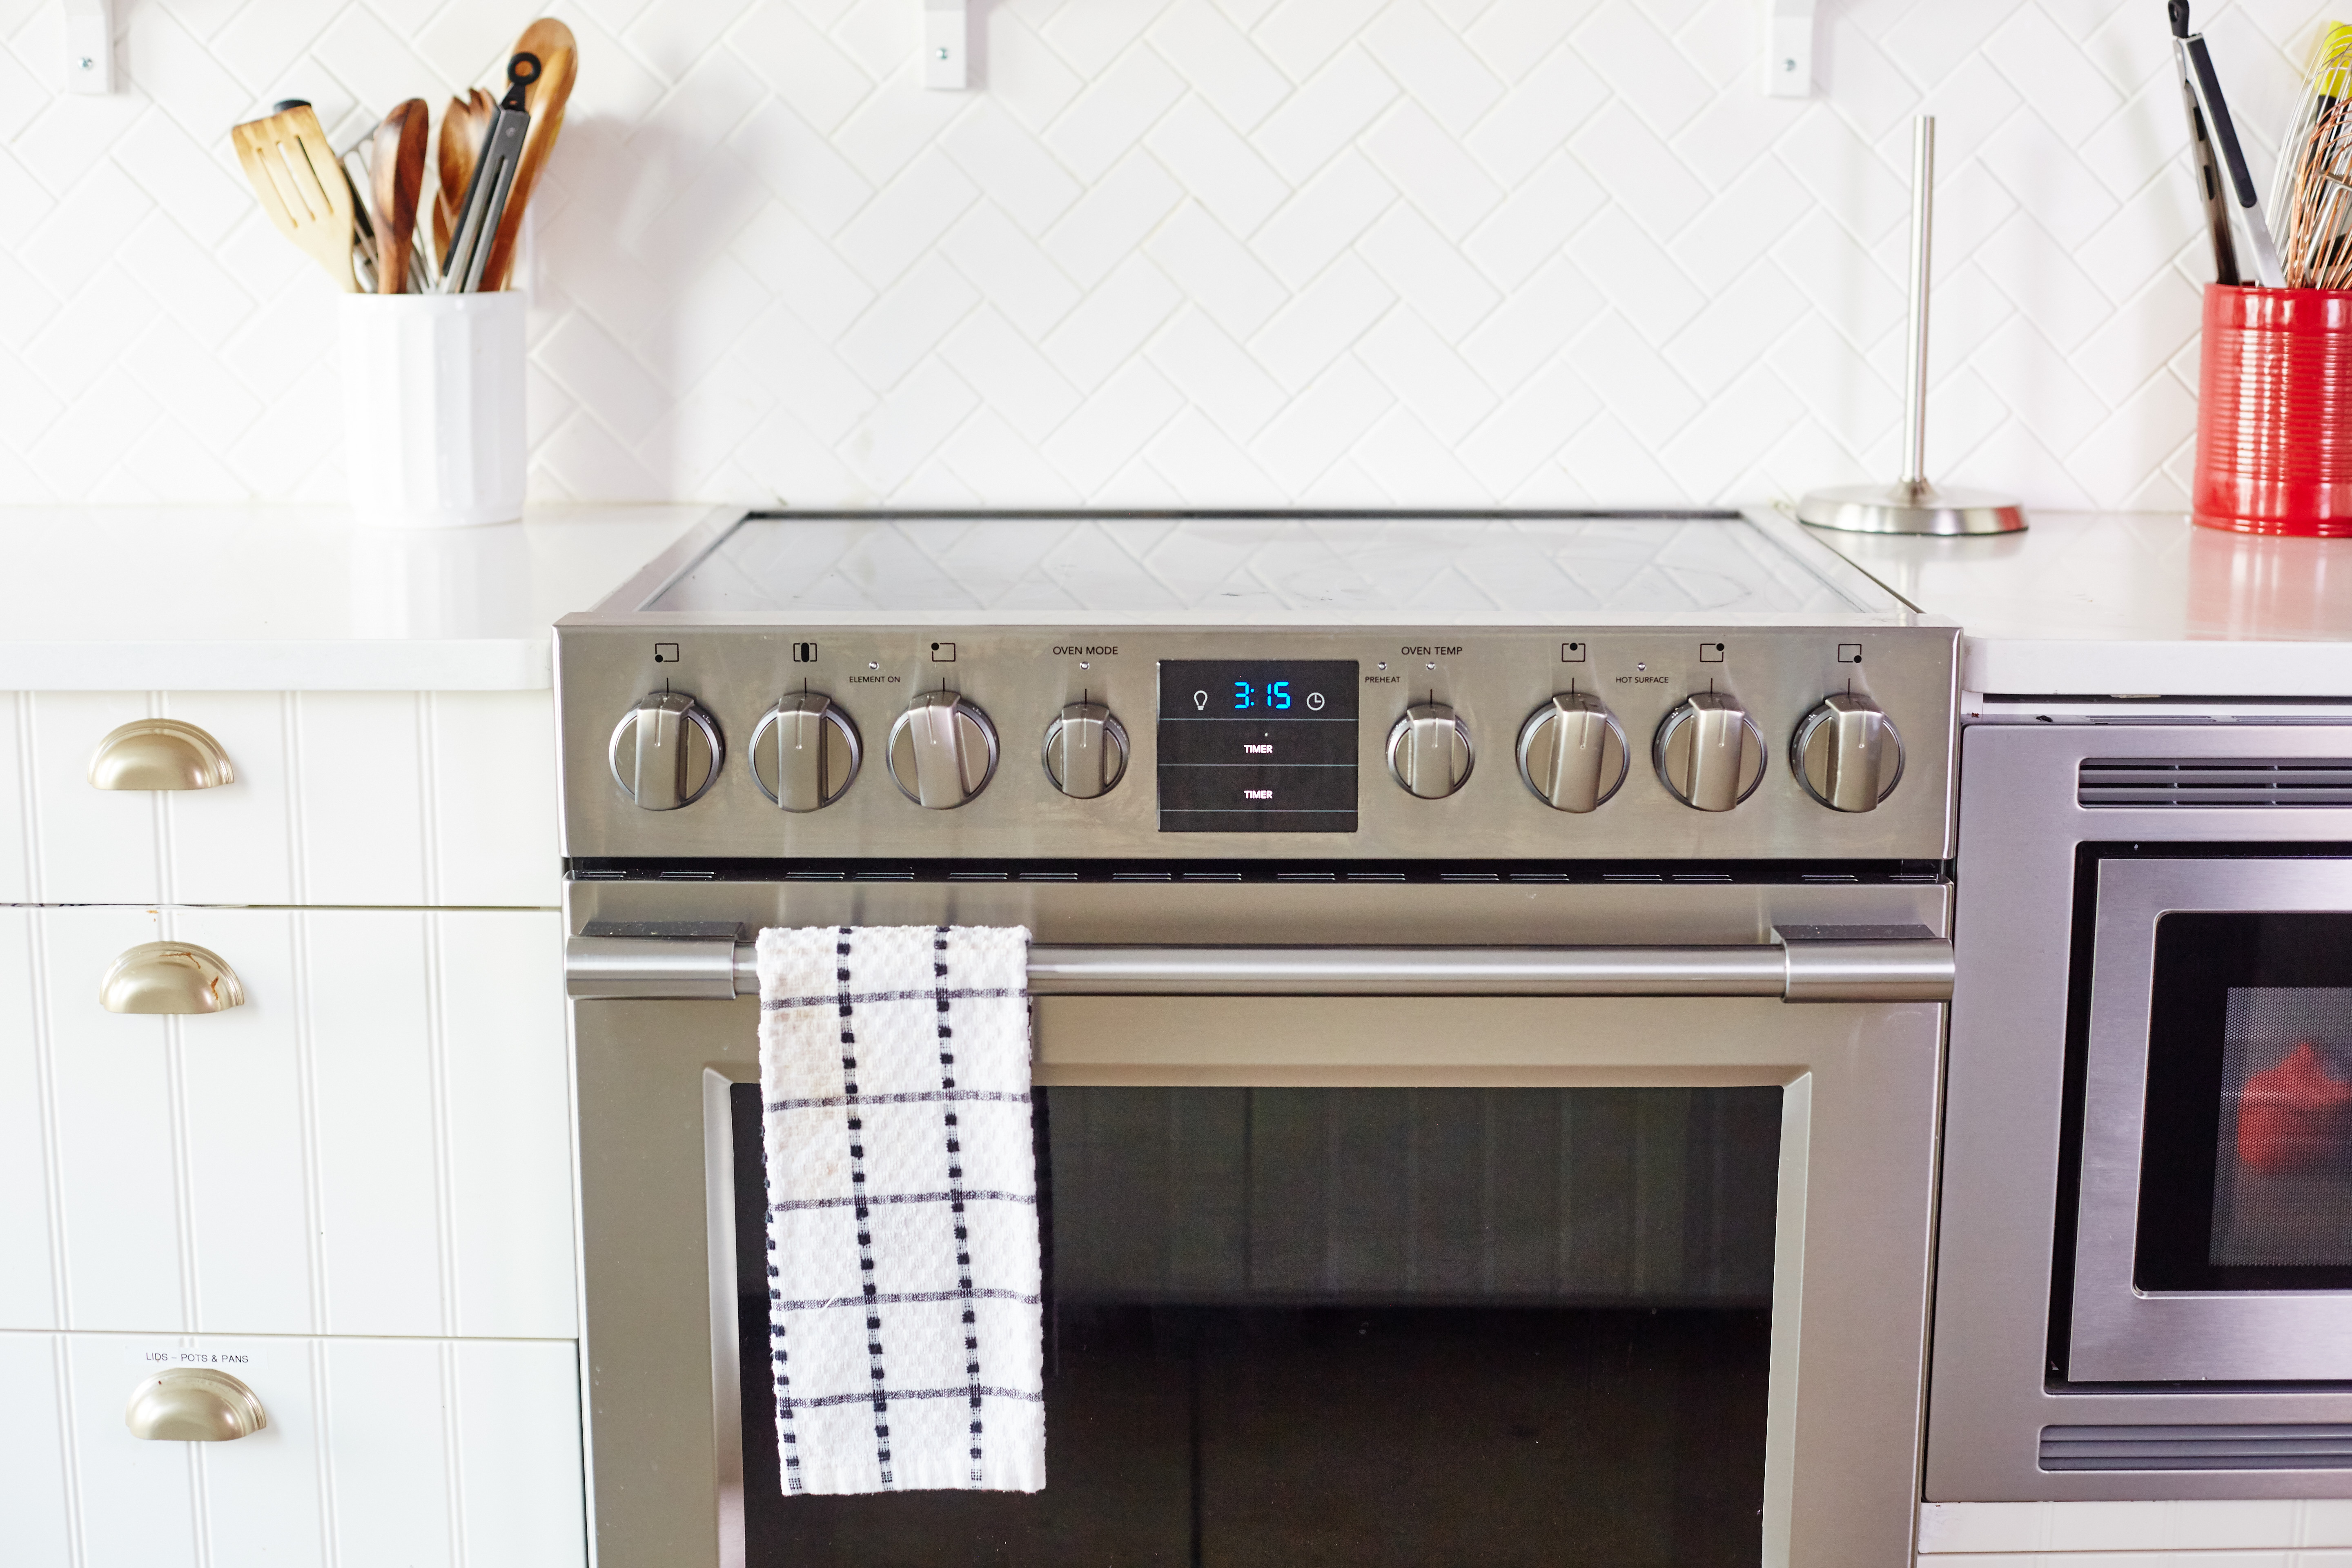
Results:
<point x="463" y="125"/>
<point x="396" y="169"/>
<point x="559" y="60"/>
<point x="302" y="186"/>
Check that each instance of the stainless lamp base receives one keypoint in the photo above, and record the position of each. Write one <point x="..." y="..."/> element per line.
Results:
<point x="1910" y="509"/>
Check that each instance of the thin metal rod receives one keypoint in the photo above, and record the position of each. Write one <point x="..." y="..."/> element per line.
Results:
<point x="1905" y="970"/>
<point x="1915" y="367"/>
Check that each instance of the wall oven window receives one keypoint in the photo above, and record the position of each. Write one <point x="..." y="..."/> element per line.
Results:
<point x="2247" y="1178"/>
<point x="1361" y="1326"/>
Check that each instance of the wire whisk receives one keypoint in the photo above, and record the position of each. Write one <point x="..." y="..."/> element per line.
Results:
<point x="2313" y="194"/>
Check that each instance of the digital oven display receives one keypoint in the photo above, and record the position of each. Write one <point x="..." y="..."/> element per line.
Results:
<point x="1257" y="745"/>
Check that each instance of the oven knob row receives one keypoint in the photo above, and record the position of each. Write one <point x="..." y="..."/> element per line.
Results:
<point x="805" y="752"/>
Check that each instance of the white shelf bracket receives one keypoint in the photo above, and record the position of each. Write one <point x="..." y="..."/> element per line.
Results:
<point x="89" y="45"/>
<point x="947" y="44"/>
<point x="1788" y="48"/>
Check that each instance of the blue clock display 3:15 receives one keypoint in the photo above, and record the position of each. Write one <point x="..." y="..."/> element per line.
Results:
<point x="1245" y="696"/>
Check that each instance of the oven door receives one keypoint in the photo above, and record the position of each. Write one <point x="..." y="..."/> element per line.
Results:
<point x="2214" y="1232"/>
<point x="1343" y="1277"/>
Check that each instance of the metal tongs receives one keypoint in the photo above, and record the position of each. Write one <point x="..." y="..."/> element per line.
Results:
<point x="2197" y="75"/>
<point x="494" y="176"/>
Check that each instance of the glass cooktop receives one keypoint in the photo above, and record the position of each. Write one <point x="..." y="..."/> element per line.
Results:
<point x="1719" y="565"/>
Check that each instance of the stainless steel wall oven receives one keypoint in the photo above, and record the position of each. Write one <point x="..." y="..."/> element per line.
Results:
<point x="1512" y="1143"/>
<point x="2145" y="1285"/>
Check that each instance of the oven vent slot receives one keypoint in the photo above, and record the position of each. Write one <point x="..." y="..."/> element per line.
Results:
<point x="2278" y="1446"/>
<point x="2154" y="783"/>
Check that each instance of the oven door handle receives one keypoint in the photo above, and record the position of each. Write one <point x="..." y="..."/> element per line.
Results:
<point x="1794" y="970"/>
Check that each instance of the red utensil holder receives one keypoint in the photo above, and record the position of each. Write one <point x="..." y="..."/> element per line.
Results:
<point x="2274" y="412"/>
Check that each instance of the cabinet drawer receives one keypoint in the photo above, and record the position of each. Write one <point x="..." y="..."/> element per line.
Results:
<point x="377" y="1142"/>
<point x="341" y="797"/>
<point x="414" y="1452"/>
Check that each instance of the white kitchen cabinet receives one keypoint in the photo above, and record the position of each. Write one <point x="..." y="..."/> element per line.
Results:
<point x="377" y="1142"/>
<point x="378" y="1453"/>
<point x="341" y="797"/>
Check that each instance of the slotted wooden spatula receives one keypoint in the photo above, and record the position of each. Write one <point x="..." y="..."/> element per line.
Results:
<point x="301" y="185"/>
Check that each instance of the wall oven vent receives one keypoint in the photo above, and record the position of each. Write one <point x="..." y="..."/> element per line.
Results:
<point x="2275" y="1447"/>
<point x="2142" y="784"/>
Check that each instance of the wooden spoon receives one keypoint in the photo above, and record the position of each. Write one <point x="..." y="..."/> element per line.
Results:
<point x="559" y="61"/>
<point x="396" y="169"/>
<point x="463" y="125"/>
<point x="302" y="187"/>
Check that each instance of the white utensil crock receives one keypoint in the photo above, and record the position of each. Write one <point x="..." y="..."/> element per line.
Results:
<point x="433" y="407"/>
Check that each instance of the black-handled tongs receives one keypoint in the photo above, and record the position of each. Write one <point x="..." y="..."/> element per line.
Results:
<point x="2204" y="90"/>
<point x="494" y="174"/>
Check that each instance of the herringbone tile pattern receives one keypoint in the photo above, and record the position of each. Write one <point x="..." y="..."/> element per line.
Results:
<point x="1362" y="252"/>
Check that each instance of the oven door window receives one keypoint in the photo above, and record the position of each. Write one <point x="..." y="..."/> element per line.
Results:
<point x="1361" y="1327"/>
<point x="2246" y="1177"/>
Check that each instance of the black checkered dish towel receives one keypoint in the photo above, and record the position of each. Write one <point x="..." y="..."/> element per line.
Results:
<point x="902" y="1208"/>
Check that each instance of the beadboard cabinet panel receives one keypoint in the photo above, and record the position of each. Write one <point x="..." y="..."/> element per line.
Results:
<point x="378" y="1454"/>
<point x="378" y="1141"/>
<point x="340" y="798"/>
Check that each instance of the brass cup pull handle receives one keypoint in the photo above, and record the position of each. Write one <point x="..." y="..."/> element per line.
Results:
<point x="194" y="1405"/>
<point x="170" y="977"/>
<point x="159" y="753"/>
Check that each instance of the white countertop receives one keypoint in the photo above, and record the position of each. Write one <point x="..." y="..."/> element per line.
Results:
<point x="293" y="598"/>
<point x="2110" y="605"/>
<point x="300" y="599"/>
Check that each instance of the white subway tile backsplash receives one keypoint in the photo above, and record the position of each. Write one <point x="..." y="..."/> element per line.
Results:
<point x="1118" y="163"/>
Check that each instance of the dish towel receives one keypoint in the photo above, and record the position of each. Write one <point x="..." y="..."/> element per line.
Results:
<point x="902" y="1208"/>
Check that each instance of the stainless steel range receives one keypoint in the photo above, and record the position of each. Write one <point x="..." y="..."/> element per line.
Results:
<point x="1488" y="980"/>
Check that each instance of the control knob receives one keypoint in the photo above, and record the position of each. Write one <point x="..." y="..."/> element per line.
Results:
<point x="805" y="753"/>
<point x="942" y="751"/>
<point x="1708" y="753"/>
<point x="1428" y="750"/>
<point x="1847" y="754"/>
<point x="1085" y="750"/>
<point x="1571" y="752"/>
<point x="666" y="752"/>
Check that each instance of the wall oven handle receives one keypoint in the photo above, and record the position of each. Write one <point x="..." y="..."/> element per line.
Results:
<point x="1902" y="970"/>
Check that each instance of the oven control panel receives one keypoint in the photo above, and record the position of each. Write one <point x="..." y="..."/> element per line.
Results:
<point x="734" y="743"/>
